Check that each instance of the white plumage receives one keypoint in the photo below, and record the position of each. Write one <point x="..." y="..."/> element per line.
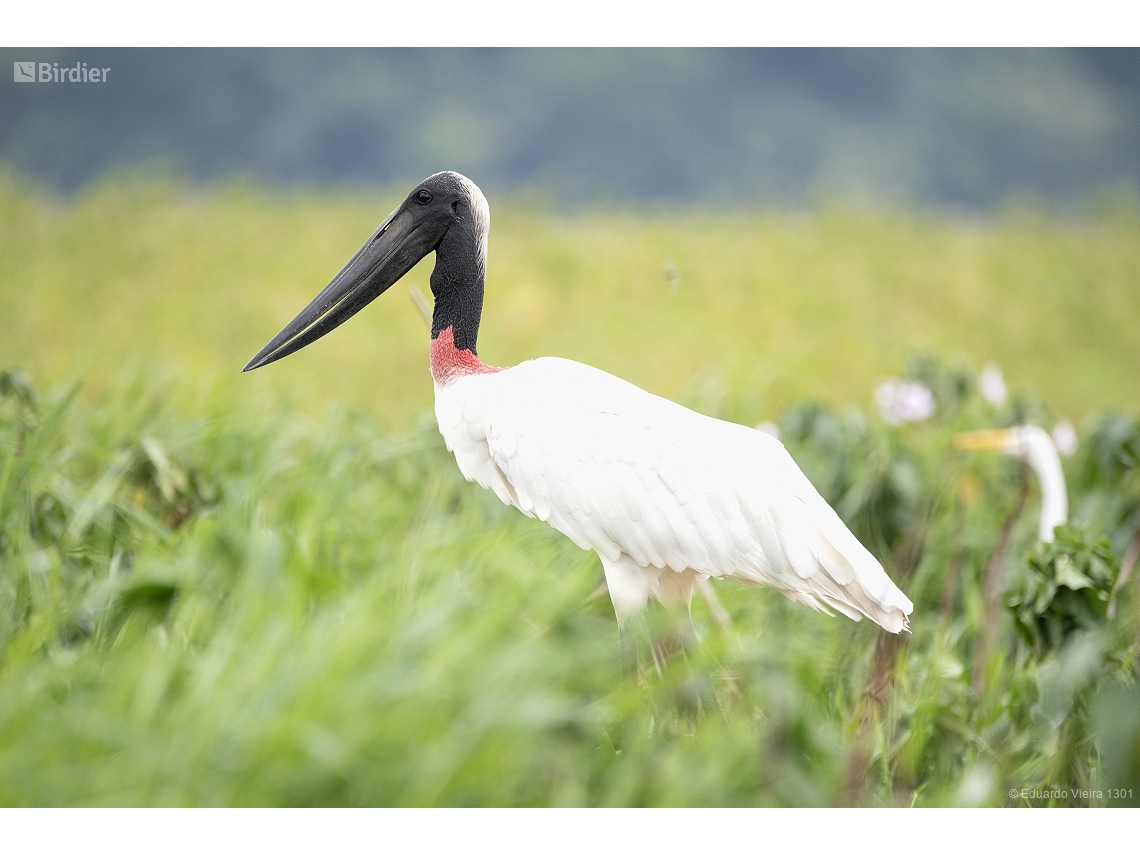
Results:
<point x="661" y="493"/>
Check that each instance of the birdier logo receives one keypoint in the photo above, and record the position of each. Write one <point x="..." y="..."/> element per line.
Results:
<point x="50" y="72"/>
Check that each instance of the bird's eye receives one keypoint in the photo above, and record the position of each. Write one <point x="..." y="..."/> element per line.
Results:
<point x="423" y="197"/>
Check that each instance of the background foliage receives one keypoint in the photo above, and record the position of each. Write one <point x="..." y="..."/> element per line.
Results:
<point x="277" y="589"/>
<point x="731" y="128"/>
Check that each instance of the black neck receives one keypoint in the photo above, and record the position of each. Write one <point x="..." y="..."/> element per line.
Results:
<point x="457" y="285"/>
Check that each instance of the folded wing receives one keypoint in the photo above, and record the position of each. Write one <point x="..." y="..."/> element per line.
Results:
<point x="624" y="472"/>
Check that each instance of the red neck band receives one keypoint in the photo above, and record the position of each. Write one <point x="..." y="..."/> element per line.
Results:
<point x="448" y="361"/>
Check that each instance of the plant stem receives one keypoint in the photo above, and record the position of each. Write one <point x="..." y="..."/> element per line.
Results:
<point x="1126" y="567"/>
<point x="993" y="585"/>
<point x="954" y="568"/>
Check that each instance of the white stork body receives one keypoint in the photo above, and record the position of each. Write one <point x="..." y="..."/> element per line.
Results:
<point x="661" y="493"/>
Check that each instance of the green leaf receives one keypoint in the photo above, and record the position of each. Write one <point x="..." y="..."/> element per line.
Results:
<point x="1068" y="575"/>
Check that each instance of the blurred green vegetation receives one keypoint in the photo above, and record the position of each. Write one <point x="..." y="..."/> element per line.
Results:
<point x="958" y="127"/>
<point x="738" y="315"/>
<point x="277" y="589"/>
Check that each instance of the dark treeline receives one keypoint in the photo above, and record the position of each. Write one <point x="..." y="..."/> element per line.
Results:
<point x="965" y="128"/>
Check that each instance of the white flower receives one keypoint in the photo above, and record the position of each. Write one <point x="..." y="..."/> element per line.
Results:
<point x="770" y="428"/>
<point x="1065" y="437"/>
<point x="993" y="385"/>
<point x="904" y="401"/>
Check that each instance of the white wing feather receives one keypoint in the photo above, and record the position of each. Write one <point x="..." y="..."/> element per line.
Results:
<point x="635" y="476"/>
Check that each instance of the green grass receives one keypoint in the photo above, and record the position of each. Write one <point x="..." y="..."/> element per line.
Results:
<point x="771" y="308"/>
<point x="277" y="589"/>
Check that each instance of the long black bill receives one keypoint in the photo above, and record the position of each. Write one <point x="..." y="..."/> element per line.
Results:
<point x="394" y="249"/>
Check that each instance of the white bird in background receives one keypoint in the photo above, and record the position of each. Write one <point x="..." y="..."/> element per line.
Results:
<point x="1033" y="445"/>
<point x="665" y="496"/>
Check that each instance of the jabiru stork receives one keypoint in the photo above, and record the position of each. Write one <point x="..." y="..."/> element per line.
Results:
<point x="664" y="495"/>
